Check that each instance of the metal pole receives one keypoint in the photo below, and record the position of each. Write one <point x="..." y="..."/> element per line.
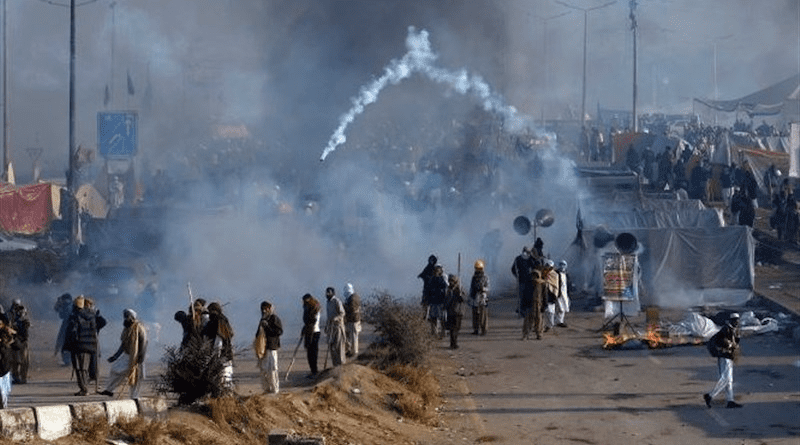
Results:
<point x="635" y="120"/>
<point x="71" y="174"/>
<point x="73" y="214"/>
<point x="113" y="35"/>
<point x="5" y="93"/>
<point x="583" y="89"/>
<point x="585" y="45"/>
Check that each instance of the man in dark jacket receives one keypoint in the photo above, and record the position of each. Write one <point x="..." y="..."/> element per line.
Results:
<point x="522" y="269"/>
<point x="21" y="323"/>
<point x="352" y="319"/>
<point x="454" y="305"/>
<point x="436" y="311"/>
<point x="312" y="310"/>
<point x="426" y="275"/>
<point x="724" y="345"/>
<point x="81" y="340"/>
<point x="271" y="328"/>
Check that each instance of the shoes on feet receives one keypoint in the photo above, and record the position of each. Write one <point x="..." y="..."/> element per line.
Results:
<point x="80" y="393"/>
<point x="562" y="325"/>
<point x="106" y="392"/>
<point x="733" y="404"/>
<point x="707" y="398"/>
<point x="546" y="328"/>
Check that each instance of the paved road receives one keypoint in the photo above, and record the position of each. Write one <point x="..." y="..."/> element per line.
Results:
<point x="567" y="389"/>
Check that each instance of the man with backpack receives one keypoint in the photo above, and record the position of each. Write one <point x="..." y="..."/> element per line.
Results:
<point x="81" y="340"/>
<point x="724" y="345"/>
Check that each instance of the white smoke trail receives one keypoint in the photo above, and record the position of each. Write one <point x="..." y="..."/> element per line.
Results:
<point x="419" y="59"/>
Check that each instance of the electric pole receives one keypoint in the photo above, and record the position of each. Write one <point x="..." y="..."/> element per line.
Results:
<point x="634" y="119"/>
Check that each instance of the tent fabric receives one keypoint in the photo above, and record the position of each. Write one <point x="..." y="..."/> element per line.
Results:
<point x="680" y="267"/>
<point x="622" y="210"/>
<point x="768" y="101"/>
<point x="28" y="210"/>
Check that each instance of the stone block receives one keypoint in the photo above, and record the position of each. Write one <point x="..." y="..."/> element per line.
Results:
<point x="18" y="424"/>
<point x="88" y="410"/>
<point x="118" y="409"/>
<point x="53" y="421"/>
<point x="152" y="407"/>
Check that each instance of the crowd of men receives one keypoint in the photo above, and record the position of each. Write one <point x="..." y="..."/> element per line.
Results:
<point x="543" y="295"/>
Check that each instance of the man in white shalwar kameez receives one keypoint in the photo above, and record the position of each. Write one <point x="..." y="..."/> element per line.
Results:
<point x="128" y="362"/>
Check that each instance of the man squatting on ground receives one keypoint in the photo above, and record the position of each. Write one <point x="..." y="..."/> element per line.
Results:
<point x="127" y="364"/>
<point x="724" y="345"/>
<point x="311" y="315"/>
<point x="334" y="327"/>
<point x="270" y="330"/>
<point x="479" y="299"/>
<point x="352" y="319"/>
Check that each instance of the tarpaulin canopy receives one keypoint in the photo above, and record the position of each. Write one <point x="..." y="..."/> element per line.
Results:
<point x="680" y="267"/>
<point x="775" y="99"/>
<point x="28" y="210"/>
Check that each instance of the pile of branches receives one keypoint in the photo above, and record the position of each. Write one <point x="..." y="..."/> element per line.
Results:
<point x="403" y="335"/>
<point x="192" y="372"/>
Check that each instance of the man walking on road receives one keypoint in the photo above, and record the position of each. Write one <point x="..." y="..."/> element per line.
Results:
<point x="479" y="299"/>
<point x="724" y="345"/>
<point x="128" y="362"/>
<point x="81" y="340"/>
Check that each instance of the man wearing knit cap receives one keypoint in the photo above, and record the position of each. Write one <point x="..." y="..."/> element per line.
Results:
<point x="128" y="362"/>
<point x="81" y="340"/>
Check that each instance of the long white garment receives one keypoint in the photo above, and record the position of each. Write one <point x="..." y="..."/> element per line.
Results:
<point x="5" y="389"/>
<point x="725" y="382"/>
<point x="352" y="330"/>
<point x="270" y="380"/>
<point x="119" y="373"/>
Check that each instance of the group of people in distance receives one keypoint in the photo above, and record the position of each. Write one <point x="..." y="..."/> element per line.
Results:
<point x="543" y="289"/>
<point x="444" y="300"/>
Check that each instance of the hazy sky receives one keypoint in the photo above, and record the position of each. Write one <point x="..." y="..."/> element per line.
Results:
<point x="287" y="70"/>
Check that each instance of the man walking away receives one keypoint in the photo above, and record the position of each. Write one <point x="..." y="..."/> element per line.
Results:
<point x="311" y="316"/>
<point x="479" y="299"/>
<point x="271" y="329"/>
<point x="127" y="364"/>
<point x="352" y="319"/>
<point x="334" y="327"/>
<point x="724" y="345"/>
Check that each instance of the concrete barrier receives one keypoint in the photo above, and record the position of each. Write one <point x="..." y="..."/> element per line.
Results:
<point x="152" y="407"/>
<point x="18" y="424"/>
<point x="88" y="410"/>
<point x="118" y="409"/>
<point x="53" y="422"/>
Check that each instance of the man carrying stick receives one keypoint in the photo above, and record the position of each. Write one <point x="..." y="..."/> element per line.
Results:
<point x="128" y="362"/>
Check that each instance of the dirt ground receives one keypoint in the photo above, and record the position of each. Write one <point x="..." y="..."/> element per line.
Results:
<point x="565" y="388"/>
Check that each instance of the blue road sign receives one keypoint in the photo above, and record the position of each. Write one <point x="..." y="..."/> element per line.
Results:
<point x="116" y="133"/>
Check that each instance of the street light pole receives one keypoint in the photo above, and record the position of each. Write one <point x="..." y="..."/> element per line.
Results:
<point x="4" y="168"/>
<point x="585" y="45"/>
<point x="546" y="60"/>
<point x="634" y="118"/>
<point x="71" y="175"/>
